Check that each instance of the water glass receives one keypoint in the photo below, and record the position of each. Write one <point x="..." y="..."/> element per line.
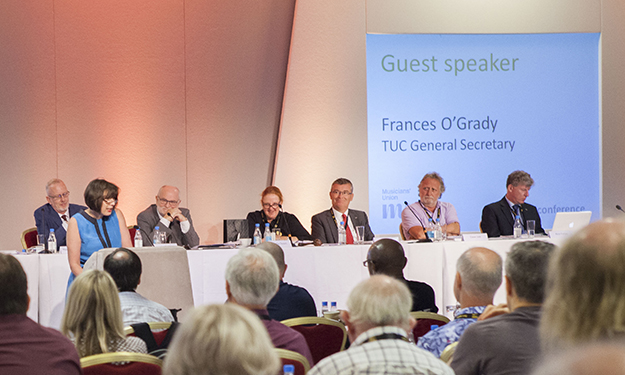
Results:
<point x="361" y="234"/>
<point x="531" y="228"/>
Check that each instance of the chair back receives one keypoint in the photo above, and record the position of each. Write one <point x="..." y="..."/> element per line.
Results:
<point x="121" y="363"/>
<point x="132" y="229"/>
<point x="298" y="361"/>
<point x="401" y="232"/>
<point x="29" y="238"/>
<point x="425" y="320"/>
<point x="234" y="229"/>
<point x="157" y="335"/>
<point x="323" y="336"/>
<point x="448" y="353"/>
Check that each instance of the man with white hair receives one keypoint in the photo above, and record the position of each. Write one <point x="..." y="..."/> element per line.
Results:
<point x="56" y="213"/>
<point x="252" y="279"/>
<point x="378" y="320"/>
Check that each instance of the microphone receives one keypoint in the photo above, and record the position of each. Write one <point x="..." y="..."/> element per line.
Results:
<point x="618" y="207"/>
<point x="286" y="224"/>
<point x="415" y="215"/>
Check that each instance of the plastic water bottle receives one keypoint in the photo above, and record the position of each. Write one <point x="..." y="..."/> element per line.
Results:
<point x="438" y="231"/>
<point x="288" y="369"/>
<point x="52" y="241"/>
<point x="518" y="227"/>
<point x="138" y="238"/>
<point x="267" y="234"/>
<point x="333" y="306"/>
<point x="429" y="229"/>
<point x="324" y="308"/>
<point x="258" y="238"/>
<point x="342" y="234"/>
<point x="157" y="235"/>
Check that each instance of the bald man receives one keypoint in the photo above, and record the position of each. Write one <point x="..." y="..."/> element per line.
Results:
<point x="387" y="257"/>
<point x="169" y="217"/>
<point x="478" y="276"/>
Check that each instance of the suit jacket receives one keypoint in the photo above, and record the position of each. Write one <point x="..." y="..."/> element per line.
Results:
<point x="46" y="217"/>
<point x="325" y="229"/>
<point x="149" y="218"/>
<point x="497" y="218"/>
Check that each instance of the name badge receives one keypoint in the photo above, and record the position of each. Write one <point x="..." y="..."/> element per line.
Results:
<point x="474" y="237"/>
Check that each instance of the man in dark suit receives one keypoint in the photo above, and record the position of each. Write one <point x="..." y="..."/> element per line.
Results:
<point x="169" y="217"/>
<point x="498" y="217"/>
<point x="325" y="224"/>
<point x="57" y="212"/>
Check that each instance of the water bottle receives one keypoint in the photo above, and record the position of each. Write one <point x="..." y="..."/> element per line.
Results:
<point x="267" y="234"/>
<point x="342" y="234"/>
<point x="157" y="235"/>
<point x="438" y="231"/>
<point x="288" y="369"/>
<point x="138" y="238"/>
<point x="429" y="229"/>
<point x="52" y="241"/>
<point x="333" y="306"/>
<point x="258" y="238"/>
<point x="518" y="227"/>
<point x="324" y="308"/>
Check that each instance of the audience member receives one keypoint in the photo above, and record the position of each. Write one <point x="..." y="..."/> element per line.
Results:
<point x="498" y="218"/>
<point x="291" y="301"/>
<point x="221" y="340"/>
<point x="325" y="224"/>
<point x="605" y="358"/>
<point x="169" y="217"/>
<point x="378" y="319"/>
<point x="100" y="226"/>
<point x="387" y="257"/>
<point x="252" y="279"/>
<point x="56" y="213"/>
<point x="93" y="317"/>
<point x="26" y="347"/>
<point x="416" y="216"/>
<point x="586" y="295"/>
<point x="509" y="343"/>
<point x="124" y="266"/>
<point x="272" y="214"/>
<point x="478" y="276"/>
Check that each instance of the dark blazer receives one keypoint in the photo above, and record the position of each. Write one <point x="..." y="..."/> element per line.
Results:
<point x="497" y="218"/>
<point x="285" y="221"/>
<point x="325" y="229"/>
<point x="46" y="218"/>
<point x="149" y="218"/>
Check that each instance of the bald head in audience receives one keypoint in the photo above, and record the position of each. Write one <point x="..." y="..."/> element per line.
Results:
<point x="586" y="289"/>
<point x="387" y="257"/>
<point x="277" y="253"/>
<point x="478" y="276"/>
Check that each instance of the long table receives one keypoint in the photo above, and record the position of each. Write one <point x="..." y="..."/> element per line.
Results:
<point x="328" y="272"/>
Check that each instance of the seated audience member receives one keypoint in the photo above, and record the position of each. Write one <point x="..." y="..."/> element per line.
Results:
<point x="169" y="217"/>
<point x="286" y="223"/>
<point x="416" y="216"/>
<point x="221" y="340"/>
<point x="325" y="224"/>
<point x="93" y="317"/>
<point x="252" y="279"/>
<point x="586" y="296"/>
<point x="509" y="343"/>
<point x="605" y="358"/>
<point x="291" y="301"/>
<point x="478" y="277"/>
<point x="386" y="257"/>
<point x="498" y="218"/>
<point x="56" y="213"/>
<point x="124" y="266"/>
<point x="377" y="320"/>
<point x="26" y="347"/>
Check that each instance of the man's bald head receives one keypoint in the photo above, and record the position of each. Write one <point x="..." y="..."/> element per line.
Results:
<point x="480" y="274"/>
<point x="124" y="266"/>
<point x="276" y="252"/>
<point x="386" y="257"/>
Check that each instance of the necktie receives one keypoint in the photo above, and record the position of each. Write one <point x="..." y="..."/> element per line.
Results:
<point x="517" y="210"/>
<point x="348" y="233"/>
<point x="64" y="217"/>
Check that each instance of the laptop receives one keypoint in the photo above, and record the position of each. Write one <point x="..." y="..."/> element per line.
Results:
<point x="571" y="221"/>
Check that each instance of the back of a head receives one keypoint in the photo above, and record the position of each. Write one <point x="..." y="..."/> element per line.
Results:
<point x="13" y="293"/>
<point x="93" y="313"/>
<point x="124" y="266"/>
<point x="586" y="290"/>
<point x="526" y="268"/>
<point x="481" y="272"/>
<point x="380" y="301"/>
<point x="276" y="252"/>
<point x="388" y="257"/>
<point x="221" y="340"/>
<point x="605" y="358"/>
<point x="253" y="277"/>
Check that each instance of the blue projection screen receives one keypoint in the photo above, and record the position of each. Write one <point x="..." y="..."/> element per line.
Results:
<point x="475" y="108"/>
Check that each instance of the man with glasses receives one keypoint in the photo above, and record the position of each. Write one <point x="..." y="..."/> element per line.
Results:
<point x="57" y="212"/>
<point x="175" y="221"/>
<point x="325" y="224"/>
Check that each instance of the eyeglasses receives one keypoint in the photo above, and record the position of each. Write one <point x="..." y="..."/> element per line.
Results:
<point x="165" y="202"/>
<point x="60" y="196"/>
<point x="339" y="193"/>
<point x="367" y="262"/>
<point x="271" y="205"/>
<point x="427" y="189"/>
<point x="111" y="201"/>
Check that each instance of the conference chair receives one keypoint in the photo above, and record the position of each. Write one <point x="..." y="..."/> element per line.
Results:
<point x="401" y="232"/>
<point x="121" y="363"/>
<point x="323" y="336"/>
<point x="298" y="361"/>
<point x="425" y="320"/>
<point x="448" y="353"/>
<point x="235" y="229"/>
<point x="157" y="335"/>
<point x="132" y="229"/>
<point x="29" y="238"/>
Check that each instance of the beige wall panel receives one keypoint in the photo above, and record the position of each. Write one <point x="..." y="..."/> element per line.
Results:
<point x="28" y="140"/>
<point x="236" y="56"/>
<point x="120" y="97"/>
